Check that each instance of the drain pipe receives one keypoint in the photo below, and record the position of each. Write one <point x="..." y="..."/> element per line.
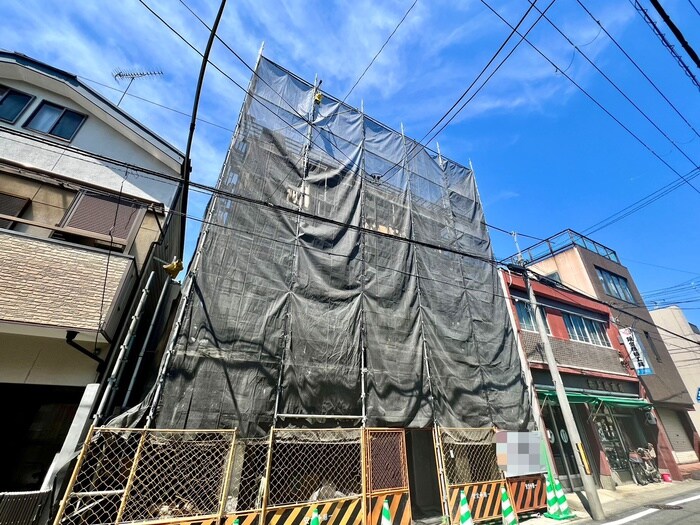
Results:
<point x="164" y="292"/>
<point x="123" y="351"/>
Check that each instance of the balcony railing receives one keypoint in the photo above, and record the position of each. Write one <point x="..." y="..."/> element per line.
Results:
<point x="560" y="242"/>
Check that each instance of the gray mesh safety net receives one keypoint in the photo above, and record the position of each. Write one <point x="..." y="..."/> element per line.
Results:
<point x="345" y="270"/>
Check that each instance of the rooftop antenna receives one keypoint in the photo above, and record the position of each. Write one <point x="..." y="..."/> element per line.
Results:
<point x="121" y="74"/>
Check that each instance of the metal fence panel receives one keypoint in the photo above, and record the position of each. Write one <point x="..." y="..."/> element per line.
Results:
<point x="469" y="455"/>
<point x="314" y="465"/>
<point x="22" y="508"/>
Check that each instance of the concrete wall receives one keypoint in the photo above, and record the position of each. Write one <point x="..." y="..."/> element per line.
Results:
<point x="570" y="268"/>
<point x="684" y="353"/>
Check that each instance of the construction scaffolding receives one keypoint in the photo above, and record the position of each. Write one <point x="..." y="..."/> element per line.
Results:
<point x="344" y="277"/>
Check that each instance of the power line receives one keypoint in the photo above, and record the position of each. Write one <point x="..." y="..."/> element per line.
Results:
<point x="640" y="204"/>
<point x="641" y="71"/>
<point x="607" y="112"/>
<point x="693" y="6"/>
<point x="676" y="32"/>
<point x="420" y="143"/>
<point x="483" y="70"/>
<point x="380" y="51"/>
<point x="263" y="80"/>
<point x="679" y="59"/>
<point x="621" y="92"/>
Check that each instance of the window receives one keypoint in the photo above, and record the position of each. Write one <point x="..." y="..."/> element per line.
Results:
<point x="12" y="103"/>
<point x="104" y="218"/>
<point x="615" y="285"/>
<point x="55" y="120"/>
<point x="527" y="320"/>
<point x="586" y="330"/>
<point x="12" y="206"/>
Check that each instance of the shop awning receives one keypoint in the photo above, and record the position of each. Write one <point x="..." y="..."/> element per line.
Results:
<point x="583" y="397"/>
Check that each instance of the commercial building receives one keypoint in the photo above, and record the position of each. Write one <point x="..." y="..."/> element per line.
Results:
<point x="682" y="339"/>
<point x="601" y="383"/>
<point x="89" y="202"/>
<point x="590" y="268"/>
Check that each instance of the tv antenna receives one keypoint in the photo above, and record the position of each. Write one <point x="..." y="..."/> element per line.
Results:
<point x="121" y="74"/>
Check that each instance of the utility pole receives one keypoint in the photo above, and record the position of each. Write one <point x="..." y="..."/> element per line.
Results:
<point x="579" y="454"/>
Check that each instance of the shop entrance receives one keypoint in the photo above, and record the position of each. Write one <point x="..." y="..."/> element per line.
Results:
<point x="423" y="476"/>
<point x="563" y="452"/>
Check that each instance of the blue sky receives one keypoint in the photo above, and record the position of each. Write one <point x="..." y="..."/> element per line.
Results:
<point x="546" y="157"/>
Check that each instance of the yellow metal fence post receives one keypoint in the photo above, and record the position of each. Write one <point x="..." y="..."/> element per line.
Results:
<point x="227" y="477"/>
<point x="363" y="458"/>
<point x="268" y="468"/>
<point x="74" y="476"/>
<point x="132" y="475"/>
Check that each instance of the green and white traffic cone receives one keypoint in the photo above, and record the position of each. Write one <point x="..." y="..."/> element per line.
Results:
<point x="552" y="505"/>
<point x="564" y="511"/>
<point x="314" y="517"/>
<point x="507" y="509"/>
<point x="386" y="514"/>
<point x="465" y="515"/>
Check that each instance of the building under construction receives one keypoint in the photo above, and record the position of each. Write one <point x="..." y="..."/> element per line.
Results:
<point x="343" y="313"/>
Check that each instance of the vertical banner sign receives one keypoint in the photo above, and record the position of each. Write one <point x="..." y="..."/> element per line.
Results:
<point x="638" y="355"/>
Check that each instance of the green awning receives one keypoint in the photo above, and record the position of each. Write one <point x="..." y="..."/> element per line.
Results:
<point x="581" y="397"/>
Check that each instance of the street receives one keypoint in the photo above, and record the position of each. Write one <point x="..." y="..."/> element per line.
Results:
<point x="677" y="511"/>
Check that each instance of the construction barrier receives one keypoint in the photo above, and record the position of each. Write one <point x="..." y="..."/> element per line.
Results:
<point x="387" y="476"/>
<point x="528" y="493"/>
<point x="470" y="464"/>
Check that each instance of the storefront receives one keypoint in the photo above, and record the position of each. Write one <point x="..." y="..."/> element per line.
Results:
<point x="612" y="426"/>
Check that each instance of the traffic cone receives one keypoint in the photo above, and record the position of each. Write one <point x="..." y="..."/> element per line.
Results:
<point x="386" y="514"/>
<point x="564" y="511"/>
<point x="314" y="517"/>
<point x="507" y="509"/>
<point x="552" y="505"/>
<point x="465" y="515"/>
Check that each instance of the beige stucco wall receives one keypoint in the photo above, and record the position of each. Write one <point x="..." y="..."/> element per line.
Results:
<point x="45" y="361"/>
<point x="570" y="268"/>
<point x="50" y="283"/>
<point x="685" y="354"/>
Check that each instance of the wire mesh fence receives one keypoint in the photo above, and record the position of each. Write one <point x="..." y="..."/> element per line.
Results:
<point x="178" y="474"/>
<point x="386" y="454"/>
<point x="247" y="485"/>
<point x="469" y="455"/>
<point x="136" y="475"/>
<point x="315" y="465"/>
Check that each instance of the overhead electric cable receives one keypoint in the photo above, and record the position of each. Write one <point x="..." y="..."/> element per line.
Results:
<point x="380" y="51"/>
<point x="415" y="146"/>
<point x="254" y="72"/>
<point x="640" y="204"/>
<point x="679" y="59"/>
<point x="676" y="32"/>
<point x="693" y="6"/>
<point x="621" y="92"/>
<point x="641" y="71"/>
<point x="483" y="69"/>
<point x="589" y="96"/>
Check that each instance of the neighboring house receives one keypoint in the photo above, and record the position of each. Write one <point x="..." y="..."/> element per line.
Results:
<point x="88" y="210"/>
<point x="607" y="402"/>
<point x="595" y="270"/>
<point x="684" y="352"/>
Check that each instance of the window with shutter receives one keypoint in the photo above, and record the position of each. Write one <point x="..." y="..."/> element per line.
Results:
<point x="11" y="205"/>
<point x="105" y="215"/>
